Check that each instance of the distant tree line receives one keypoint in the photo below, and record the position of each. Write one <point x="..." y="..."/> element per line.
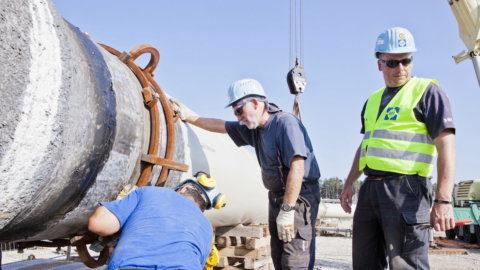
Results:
<point x="331" y="188"/>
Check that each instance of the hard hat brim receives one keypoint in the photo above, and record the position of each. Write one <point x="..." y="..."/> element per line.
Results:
<point x="247" y="96"/>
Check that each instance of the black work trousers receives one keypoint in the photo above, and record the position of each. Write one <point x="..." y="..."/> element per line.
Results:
<point x="385" y="223"/>
<point x="300" y="252"/>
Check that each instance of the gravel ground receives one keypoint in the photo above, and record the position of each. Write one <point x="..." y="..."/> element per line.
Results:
<point x="333" y="253"/>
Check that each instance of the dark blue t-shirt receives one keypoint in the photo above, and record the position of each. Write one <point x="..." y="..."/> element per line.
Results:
<point x="281" y="139"/>
<point x="161" y="229"/>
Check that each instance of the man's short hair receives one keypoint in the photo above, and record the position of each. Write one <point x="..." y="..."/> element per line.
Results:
<point x="192" y="190"/>
<point x="248" y="98"/>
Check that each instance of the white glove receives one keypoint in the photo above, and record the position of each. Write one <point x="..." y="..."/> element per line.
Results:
<point x="183" y="112"/>
<point x="285" y="228"/>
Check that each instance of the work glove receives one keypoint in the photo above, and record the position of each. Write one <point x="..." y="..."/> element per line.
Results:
<point x="181" y="110"/>
<point x="285" y="227"/>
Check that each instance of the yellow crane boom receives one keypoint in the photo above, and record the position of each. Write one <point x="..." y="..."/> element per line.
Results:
<point x="467" y="14"/>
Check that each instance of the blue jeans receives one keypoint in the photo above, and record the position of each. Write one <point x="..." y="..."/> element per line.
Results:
<point x="385" y="223"/>
<point x="300" y="252"/>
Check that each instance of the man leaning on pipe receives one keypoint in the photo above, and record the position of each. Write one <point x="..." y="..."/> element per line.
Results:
<point x="161" y="228"/>
<point x="289" y="168"/>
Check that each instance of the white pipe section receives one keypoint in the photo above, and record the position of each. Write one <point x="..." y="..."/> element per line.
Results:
<point x="237" y="173"/>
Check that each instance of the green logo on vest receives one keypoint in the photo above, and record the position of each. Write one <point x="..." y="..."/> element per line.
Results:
<point x="392" y="113"/>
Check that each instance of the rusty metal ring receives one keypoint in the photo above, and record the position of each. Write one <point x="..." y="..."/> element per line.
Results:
<point x="170" y="123"/>
<point x="110" y="49"/>
<point x="154" y="56"/>
<point x="150" y="88"/>
<point x="153" y="110"/>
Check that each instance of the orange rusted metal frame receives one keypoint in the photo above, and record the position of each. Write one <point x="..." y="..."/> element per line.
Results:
<point x="145" y="77"/>
<point x="165" y="162"/>
<point x="170" y="123"/>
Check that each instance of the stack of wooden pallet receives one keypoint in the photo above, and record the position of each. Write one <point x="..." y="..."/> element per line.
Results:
<point x="243" y="247"/>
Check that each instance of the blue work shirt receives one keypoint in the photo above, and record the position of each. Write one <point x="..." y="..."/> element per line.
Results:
<point x="161" y="229"/>
<point x="281" y="139"/>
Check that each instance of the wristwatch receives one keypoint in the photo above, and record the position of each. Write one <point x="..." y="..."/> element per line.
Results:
<point x="442" y="201"/>
<point x="287" y="207"/>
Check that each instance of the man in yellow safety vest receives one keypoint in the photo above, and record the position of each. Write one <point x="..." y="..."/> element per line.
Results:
<point x="404" y="124"/>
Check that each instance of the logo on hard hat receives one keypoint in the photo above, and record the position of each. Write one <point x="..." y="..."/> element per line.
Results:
<point x="392" y="113"/>
<point x="402" y="43"/>
<point x="402" y="40"/>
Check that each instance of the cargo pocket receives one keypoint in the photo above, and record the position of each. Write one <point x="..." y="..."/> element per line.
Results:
<point x="297" y="252"/>
<point x="415" y="239"/>
<point x="410" y="197"/>
<point x="302" y="219"/>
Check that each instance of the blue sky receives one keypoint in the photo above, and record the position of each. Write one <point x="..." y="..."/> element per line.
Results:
<point x="205" y="45"/>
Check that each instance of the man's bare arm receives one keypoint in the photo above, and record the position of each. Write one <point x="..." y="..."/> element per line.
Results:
<point x="294" y="180"/>
<point x="103" y="222"/>
<point x="210" y="124"/>
<point x="353" y="175"/>
<point x="442" y="214"/>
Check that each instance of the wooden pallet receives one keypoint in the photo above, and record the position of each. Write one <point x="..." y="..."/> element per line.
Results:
<point x="243" y="247"/>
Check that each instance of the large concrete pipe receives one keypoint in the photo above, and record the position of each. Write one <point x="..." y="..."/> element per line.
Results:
<point x="74" y="130"/>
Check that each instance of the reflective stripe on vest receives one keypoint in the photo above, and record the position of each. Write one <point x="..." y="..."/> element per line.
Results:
<point x="396" y="141"/>
<point x="399" y="135"/>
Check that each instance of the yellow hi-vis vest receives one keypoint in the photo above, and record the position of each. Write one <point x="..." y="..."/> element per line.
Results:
<point x="396" y="141"/>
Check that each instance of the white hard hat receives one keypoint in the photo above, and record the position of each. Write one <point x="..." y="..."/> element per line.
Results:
<point x="395" y="40"/>
<point x="244" y="88"/>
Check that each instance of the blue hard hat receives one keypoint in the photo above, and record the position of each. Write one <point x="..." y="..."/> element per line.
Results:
<point x="244" y="88"/>
<point x="395" y="40"/>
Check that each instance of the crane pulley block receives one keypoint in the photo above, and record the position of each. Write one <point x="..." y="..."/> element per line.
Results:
<point x="296" y="80"/>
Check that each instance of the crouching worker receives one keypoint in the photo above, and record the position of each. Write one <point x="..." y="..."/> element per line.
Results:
<point x="160" y="228"/>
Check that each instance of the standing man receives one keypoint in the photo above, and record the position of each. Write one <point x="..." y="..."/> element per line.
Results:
<point x="404" y="123"/>
<point x="161" y="228"/>
<point x="289" y="168"/>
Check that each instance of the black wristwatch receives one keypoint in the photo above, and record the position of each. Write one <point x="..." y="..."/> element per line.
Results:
<point x="287" y="207"/>
<point x="442" y="201"/>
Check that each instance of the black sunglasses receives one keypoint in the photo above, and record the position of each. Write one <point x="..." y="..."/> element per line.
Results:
<point x="238" y="111"/>
<point x="394" y="63"/>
